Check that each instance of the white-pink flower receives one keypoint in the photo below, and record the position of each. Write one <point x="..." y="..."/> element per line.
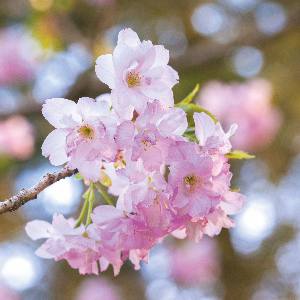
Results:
<point x="72" y="244"/>
<point x="84" y="135"/>
<point x="137" y="73"/>
<point x="246" y="104"/>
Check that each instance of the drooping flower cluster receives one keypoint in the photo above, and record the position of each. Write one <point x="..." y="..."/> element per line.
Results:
<point x="166" y="184"/>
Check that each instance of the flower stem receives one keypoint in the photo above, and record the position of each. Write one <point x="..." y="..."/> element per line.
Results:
<point x="103" y="194"/>
<point x="91" y="201"/>
<point x="86" y="195"/>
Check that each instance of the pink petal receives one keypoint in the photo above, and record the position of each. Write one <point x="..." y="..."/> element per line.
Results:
<point x="43" y="253"/>
<point x="62" y="226"/>
<point x="54" y="109"/>
<point x="105" y="70"/>
<point x="174" y="122"/>
<point x="125" y="134"/>
<point x="87" y="107"/>
<point x="104" y="213"/>
<point x="220" y="219"/>
<point x="129" y="37"/>
<point x="38" y="229"/>
<point x="232" y="202"/>
<point x="54" y="146"/>
<point x="204" y="127"/>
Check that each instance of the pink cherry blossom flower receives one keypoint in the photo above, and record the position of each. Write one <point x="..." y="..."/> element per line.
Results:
<point x="247" y="104"/>
<point x="84" y="135"/>
<point x="149" y="200"/>
<point x="66" y="242"/>
<point x="18" y="59"/>
<point x="97" y="289"/>
<point x="17" y="137"/>
<point x="118" y="229"/>
<point x="192" y="179"/>
<point x="230" y="203"/>
<point x="194" y="264"/>
<point x="137" y="73"/>
<point x="157" y="131"/>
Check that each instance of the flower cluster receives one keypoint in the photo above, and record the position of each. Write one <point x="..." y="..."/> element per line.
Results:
<point x="134" y="139"/>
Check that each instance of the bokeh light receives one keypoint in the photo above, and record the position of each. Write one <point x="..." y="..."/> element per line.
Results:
<point x="208" y="19"/>
<point x="270" y="17"/>
<point x="56" y="76"/>
<point x="20" y="269"/>
<point x="241" y="5"/>
<point x="247" y="61"/>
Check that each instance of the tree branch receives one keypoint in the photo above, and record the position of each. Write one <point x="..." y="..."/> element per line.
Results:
<point x="25" y="196"/>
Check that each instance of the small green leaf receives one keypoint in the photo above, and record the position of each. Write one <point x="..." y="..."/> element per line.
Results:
<point x="235" y="190"/>
<point x="190" y="96"/>
<point x="104" y="179"/>
<point x="78" y="176"/>
<point x="190" y="109"/>
<point x="238" y="154"/>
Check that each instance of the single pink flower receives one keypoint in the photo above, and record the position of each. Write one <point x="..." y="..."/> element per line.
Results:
<point x="17" y="137"/>
<point x="84" y="135"/>
<point x="193" y="181"/>
<point x="97" y="289"/>
<point x="137" y="73"/>
<point x="249" y="106"/>
<point x="192" y="264"/>
<point x="18" y="61"/>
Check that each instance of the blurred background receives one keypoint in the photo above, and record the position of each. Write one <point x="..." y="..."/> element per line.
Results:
<point x="246" y="56"/>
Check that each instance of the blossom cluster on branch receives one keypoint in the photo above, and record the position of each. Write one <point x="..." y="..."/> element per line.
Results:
<point x="167" y="164"/>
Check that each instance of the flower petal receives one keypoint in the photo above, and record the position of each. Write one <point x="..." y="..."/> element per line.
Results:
<point x="54" y="146"/>
<point x="54" y="109"/>
<point x="105" y="70"/>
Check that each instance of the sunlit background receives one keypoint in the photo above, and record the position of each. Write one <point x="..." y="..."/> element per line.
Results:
<point x="246" y="56"/>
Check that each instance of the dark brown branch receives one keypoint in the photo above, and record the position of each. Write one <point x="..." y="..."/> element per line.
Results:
<point x="25" y="196"/>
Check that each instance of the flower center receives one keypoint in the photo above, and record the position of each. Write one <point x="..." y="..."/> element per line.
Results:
<point x="86" y="132"/>
<point x="133" y="79"/>
<point x="145" y="145"/>
<point x="192" y="182"/>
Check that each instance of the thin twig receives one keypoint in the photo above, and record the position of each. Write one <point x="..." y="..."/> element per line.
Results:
<point x="25" y="196"/>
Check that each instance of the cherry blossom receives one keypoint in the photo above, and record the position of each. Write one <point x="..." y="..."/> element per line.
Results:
<point x="72" y="244"/>
<point x="19" y="56"/>
<point x="84" y="135"/>
<point x="17" y="137"/>
<point x="249" y="106"/>
<point x="137" y="72"/>
<point x="136" y="144"/>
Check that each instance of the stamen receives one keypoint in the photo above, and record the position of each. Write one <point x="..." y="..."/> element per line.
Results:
<point x="192" y="182"/>
<point x="133" y="79"/>
<point x="86" y="132"/>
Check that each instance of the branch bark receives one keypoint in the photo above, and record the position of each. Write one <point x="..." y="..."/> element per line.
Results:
<point x="25" y="196"/>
